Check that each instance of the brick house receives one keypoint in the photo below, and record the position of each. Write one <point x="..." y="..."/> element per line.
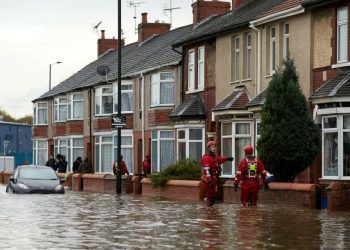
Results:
<point x="74" y="118"/>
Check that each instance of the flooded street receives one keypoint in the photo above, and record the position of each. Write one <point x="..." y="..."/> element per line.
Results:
<point x="79" y="220"/>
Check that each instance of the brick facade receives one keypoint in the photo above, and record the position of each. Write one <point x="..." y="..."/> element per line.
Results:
<point x="203" y="9"/>
<point x="147" y="30"/>
<point x="40" y="131"/>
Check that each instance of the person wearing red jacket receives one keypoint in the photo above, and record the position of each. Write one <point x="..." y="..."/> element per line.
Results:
<point x="146" y="165"/>
<point x="249" y="170"/>
<point x="211" y="172"/>
<point x="124" y="169"/>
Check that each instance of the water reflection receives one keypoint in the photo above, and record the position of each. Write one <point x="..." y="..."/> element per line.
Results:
<point x="99" y="221"/>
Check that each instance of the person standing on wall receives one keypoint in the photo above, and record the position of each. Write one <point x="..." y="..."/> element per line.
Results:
<point x="76" y="164"/>
<point x="211" y="171"/>
<point x="249" y="170"/>
<point x="146" y="165"/>
<point x="124" y="169"/>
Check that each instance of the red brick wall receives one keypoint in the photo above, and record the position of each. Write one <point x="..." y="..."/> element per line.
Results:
<point x="147" y="30"/>
<point x="159" y="116"/>
<point x="203" y="9"/>
<point x="104" y="44"/>
<point x="75" y="127"/>
<point x="40" y="131"/>
<point x="59" y="129"/>
<point x="318" y="76"/>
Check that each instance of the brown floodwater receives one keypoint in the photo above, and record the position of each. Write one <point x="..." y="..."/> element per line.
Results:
<point x="80" y="220"/>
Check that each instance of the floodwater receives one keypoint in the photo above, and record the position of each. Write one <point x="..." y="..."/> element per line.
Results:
<point x="80" y="220"/>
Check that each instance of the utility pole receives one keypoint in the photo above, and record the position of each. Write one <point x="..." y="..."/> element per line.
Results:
<point x="119" y="133"/>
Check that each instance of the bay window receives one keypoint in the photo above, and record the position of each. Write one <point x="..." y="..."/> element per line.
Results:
<point x="162" y="89"/>
<point x="104" y="100"/>
<point x="71" y="148"/>
<point x="342" y="34"/>
<point x="190" y="143"/>
<point x="40" y="152"/>
<point x="40" y="113"/>
<point x="163" y="149"/>
<point x="235" y="136"/>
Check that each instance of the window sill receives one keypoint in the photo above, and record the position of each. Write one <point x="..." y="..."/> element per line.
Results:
<point x="41" y="124"/>
<point x="235" y="82"/>
<point x="340" y="65"/>
<point x="194" y="91"/>
<point x="247" y="80"/>
<point x="269" y="76"/>
<point x="163" y="106"/>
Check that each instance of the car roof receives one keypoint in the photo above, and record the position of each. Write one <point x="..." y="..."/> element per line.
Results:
<point x="34" y="166"/>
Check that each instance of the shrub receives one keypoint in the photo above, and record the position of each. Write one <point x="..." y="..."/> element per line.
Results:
<point x="181" y="170"/>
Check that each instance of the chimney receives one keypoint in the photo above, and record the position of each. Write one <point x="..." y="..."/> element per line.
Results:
<point x="202" y="9"/>
<point x="104" y="44"/>
<point x="146" y="30"/>
<point x="236" y="4"/>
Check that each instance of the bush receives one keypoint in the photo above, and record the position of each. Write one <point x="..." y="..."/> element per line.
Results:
<point x="182" y="170"/>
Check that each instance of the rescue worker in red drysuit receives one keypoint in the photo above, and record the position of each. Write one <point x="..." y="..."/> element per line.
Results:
<point x="146" y="165"/>
<point x="124" y="169"/>
<point x="249" y="170"/>
<point x="211" y="172"/>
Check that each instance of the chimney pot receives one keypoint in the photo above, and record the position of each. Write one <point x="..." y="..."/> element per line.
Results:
<point x="144" y="17"/>
<point x="102" y="34"/>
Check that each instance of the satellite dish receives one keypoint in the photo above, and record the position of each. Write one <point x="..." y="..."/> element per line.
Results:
<point x="103" y="70"/>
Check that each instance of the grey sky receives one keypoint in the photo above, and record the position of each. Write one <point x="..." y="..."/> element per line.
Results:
<point x="35" y="33"/>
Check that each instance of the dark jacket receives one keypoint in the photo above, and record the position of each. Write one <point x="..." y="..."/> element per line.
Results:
<point x="52" y="163"/>
<point x="62" y="166"/>
<point x="76" y="165"/>
<point x="85" y="167"/>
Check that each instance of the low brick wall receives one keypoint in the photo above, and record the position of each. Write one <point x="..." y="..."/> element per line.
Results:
<point x="304" y="195"/>
<point x="105" y="183"/>
<point x="6" y="175"/>
<point x="175" y="189"/>
<point x="111" y="182"/>
<point x="94" y="182"/>
<point x="77" y="182"/>
<point x="1" y="177"/>
<point x="338" y="196"/>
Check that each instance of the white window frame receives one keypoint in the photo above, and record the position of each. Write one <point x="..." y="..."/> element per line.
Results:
<point x="272" y="50"/>
<point x="201" y="67"/>
<point x="128" y="91"/>
<point x="58" y="103"/>
<point x="113" y="144"/>
<point x="158" y="140"/>
<point x="37" y="108"/>
<point x="257" y="133"/>
<point x="68" y="144"/>
<point x="187" y="141"/>
<point x="233" y="136"/>
<point x="156" y="83"/>
<point x="286" y="40"/>
<point x="191" y="69"/>
<point x="36" y="148"/>
<point x="99" y="97"/>
<point x="249" y="49"/>
<point x="73" y="99"/>
<point x="341" y="23"/>
<point x="237" y="58"/>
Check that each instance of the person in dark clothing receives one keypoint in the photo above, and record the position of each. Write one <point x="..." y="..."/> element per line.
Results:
<point x="76" y="164"/>
<point x="62" y="164"/>
<point x="85" y="166"/>
<point x="52" y="163"/>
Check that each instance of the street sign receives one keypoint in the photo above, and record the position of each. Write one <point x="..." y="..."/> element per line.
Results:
<point x="118" y="121"/>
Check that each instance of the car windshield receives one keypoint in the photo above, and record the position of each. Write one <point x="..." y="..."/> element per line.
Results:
<point x="37" y="173"/>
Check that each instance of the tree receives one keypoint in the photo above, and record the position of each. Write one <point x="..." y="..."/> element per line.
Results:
<point x="289" y="139"/>
<point x="28" y="119"/>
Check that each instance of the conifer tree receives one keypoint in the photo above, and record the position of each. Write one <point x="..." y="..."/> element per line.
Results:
<point x="289" y="139"/>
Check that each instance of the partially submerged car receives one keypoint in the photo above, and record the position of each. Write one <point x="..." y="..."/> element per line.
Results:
<point x="34" y="179"/>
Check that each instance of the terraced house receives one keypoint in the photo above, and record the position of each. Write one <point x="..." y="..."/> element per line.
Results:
<point x="204" y="81"/>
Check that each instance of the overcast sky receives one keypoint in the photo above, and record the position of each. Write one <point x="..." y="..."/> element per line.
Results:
<point x="35" y="33"/>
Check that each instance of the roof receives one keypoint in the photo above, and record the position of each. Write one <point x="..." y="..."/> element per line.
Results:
<point x="238" y="99"/>
<point x="312" y="4"/>
<point x="218" y="24"/>
<point x="152" y="53"/>
<point x="338" y="86"/>
<point x="192" y="108"/>
<point x="258" y="100"/>
<point x="288" y="4"/>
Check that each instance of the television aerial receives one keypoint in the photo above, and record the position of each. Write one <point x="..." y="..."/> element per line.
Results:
<point x="170" y="10"/>
<point x="134" y="4"/>
<point x="96" y="28"/>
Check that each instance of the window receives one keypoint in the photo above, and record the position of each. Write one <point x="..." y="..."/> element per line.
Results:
<point x="191" y="70"/>
<point x="285" y="40"/>
<point x="330" y="146"/>
<point x="162" y="87"/>
<point x="249" y="55"/>
<point x="40" y="155"/>
<point x="75" y="109"/>
<point x="237" y="63"/>
<point x="40" y="113"/>
<point x="77" y="150"/>
<point x="201" y="69"/>
<point x="162" y="149"/>
<point x="104" y="100"/>
<point x="235" y="136"/>
<point x="106" y="151"/>
<point x="126" y="97"/>
<point x="257" y="131"/>
<point x="272" y="50"/>
<point x="342" y="34"/>
<point x="190" y="143"/>
<point x="60" y="109"/>
<point x="71" y="148"/>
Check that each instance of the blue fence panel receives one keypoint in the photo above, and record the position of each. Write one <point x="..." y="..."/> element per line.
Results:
<point x="23" y="158"/>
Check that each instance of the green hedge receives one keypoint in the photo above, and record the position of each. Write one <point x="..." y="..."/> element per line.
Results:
<point x="181" y="170"/>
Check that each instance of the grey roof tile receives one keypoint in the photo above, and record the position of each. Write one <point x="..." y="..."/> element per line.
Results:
<point x="258" y="100"/>
<point x="238" y="99"/>
<point x="192" y="108"/>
